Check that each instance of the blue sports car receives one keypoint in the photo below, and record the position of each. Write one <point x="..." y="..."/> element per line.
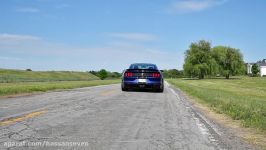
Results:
<point x="142" y="76"/>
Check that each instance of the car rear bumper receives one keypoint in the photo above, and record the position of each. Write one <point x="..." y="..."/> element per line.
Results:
<point x="146" y="85"/>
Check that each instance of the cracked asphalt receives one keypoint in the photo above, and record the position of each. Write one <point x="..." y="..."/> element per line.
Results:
<point x="107" y="118"/>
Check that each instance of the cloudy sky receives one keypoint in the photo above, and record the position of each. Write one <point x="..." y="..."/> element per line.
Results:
<point x="93" y="34"/>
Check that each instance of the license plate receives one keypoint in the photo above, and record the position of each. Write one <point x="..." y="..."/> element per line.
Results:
<point x="142" y="80"/>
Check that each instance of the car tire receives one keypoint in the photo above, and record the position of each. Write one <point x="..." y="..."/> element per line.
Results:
<point x="123" y="88"/>
<point x="161" y="89"/>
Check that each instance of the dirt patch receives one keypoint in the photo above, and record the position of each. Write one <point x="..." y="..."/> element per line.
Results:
<point x="19" y="95"/>
<point x="31" y="93"/>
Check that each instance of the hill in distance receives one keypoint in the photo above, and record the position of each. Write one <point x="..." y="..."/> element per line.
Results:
<point x="10" y="75"/>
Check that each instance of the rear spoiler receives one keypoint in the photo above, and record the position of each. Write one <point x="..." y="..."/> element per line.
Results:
<point x="143" y="70"/>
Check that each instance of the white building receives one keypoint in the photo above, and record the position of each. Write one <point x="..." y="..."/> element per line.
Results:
<point x="249" y="66"/>
<point x="262" y="67"/>
<point x="263" y="70"/>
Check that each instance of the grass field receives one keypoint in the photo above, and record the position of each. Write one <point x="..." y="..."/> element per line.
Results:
<point x="241" y="98"/>
<point x="30" y="87"/>
<point x="8" y="75"/>
<point x="19" y="81"/>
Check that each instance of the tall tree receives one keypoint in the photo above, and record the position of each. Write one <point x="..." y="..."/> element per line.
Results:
<point x="230" y="60"/>
<point x="255" y="70"/>
<point x="198" y="60"/>
<point x="102" y="74"/>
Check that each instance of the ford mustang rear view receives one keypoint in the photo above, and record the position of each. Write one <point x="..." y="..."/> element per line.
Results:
<point x="142" y="76"/>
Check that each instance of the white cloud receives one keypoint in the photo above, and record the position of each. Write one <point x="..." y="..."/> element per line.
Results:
<point x="114" y="56"/>
<point x="16" y="37"/>
<point x="28" y="10"/>
<point x="134" y="36"/>
<point x="186" y="6"/>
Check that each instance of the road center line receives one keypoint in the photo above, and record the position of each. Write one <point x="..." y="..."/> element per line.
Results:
<point x="9" y="121"/>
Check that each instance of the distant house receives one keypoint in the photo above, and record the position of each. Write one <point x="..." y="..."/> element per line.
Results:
<point x="262" y="67"/>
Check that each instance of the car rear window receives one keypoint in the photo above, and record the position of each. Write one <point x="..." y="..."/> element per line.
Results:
<point x="143" y="66"/>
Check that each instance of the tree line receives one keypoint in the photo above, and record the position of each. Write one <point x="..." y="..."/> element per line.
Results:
<point x="202" y="60"/>
<point x="173" y="73"/>
<point x="104" y="74"/>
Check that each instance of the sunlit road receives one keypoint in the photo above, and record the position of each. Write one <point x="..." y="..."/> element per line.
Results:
<point x="106" y="118"/>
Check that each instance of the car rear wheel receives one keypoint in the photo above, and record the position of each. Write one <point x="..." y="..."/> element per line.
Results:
<point x="123" y="88"/>
<point x="161" y="89"/>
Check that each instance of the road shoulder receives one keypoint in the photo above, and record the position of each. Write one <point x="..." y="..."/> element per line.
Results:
<point x="230" y="130"/>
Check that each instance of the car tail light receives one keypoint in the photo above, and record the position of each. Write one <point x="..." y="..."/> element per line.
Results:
<point x="156" y="75"/>
<point x="128" y="74"/>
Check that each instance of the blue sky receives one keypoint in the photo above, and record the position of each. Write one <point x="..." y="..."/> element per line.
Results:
<point x="86" y="35"/>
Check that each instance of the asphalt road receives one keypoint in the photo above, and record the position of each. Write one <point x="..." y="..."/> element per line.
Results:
<point x="105" y="118"/>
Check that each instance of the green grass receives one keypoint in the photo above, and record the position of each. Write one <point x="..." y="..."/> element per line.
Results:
<point x="8" y="75"/>
<point x="19" y="81"/>
<point x="243" y="98"/>
<point x="30" y="87"/>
